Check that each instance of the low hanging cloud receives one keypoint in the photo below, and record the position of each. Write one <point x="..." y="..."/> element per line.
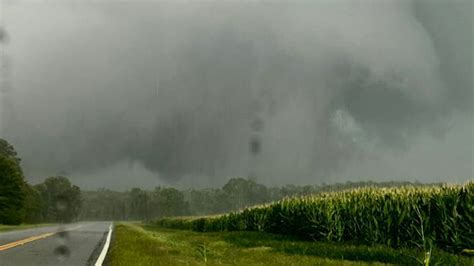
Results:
<point x="206" y="90"/>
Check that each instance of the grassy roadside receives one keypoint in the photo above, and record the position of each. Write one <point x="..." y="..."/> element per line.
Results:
<point x="7" y="228"/>
<point x="139" y="244"/>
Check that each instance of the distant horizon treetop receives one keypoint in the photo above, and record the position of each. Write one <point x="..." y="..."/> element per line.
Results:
<point x="62" y="198"/>
<point x="12" y="184"/>
<point x="7" y="150"/>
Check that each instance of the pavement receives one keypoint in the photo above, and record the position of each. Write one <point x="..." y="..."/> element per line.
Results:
<point x="68" y="244"/>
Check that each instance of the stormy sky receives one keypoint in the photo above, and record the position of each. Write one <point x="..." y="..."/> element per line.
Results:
<point x="190" y="93"/>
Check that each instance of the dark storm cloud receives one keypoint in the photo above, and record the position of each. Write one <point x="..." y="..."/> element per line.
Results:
<point x="450" y="27"/>
<point x="176" y="87"/>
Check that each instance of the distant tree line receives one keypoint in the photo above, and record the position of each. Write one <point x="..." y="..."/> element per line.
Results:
<point x="57" y="200"/>
<point x="136" y="204"/>
<point x="54" y="200"/>
<point x="237" y="193"/>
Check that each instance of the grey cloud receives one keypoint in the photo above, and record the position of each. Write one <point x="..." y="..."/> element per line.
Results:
<point x="176" y="87"/>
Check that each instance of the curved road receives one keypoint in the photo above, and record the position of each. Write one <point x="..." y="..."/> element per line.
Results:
<point x="71" y="244"/>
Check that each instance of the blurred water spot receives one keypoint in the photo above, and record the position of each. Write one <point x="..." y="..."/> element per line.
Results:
<point x="63" y="234"/>
<point x="62" y="252"/>
<point x="61" y="205"/>
<point x="255" y="145"/>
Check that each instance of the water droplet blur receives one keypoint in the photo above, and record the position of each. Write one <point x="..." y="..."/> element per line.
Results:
<point x="255" y="145"/>
<point x="62" y="252"/>
<point x="63" y="234"/>
<point x="3" y="35"/>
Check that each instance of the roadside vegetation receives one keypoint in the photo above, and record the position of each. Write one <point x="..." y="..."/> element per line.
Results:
<point x="145" y="244"/>
<point x="423" y="217"/>
<point x="428" y="219"/>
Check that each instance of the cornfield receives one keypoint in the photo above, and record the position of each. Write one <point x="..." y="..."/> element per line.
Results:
<point x="441" y="216"/>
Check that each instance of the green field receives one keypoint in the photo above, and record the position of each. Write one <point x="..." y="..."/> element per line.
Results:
<point x="405" y="225"/>
<point x="405" y="217"/>
<point x="144" y="244"/>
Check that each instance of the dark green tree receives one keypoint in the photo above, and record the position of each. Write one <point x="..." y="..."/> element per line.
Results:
<point x="12" y="194"/>
<point x="33" y="209"/>
<point x="7" y="150"/>
<point x="61" y="199"/>
<point x="208" y="201"/>
<point x="169" y="202"/>
<point x="104" y="204"/>
<point x="139" y="202"/>
<point x="244" y="192"/>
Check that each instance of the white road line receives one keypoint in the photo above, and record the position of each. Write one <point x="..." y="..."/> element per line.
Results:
<point x="102" y="255"/>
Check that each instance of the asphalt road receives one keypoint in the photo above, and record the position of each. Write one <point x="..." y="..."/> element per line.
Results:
<point x="71" y="244"/>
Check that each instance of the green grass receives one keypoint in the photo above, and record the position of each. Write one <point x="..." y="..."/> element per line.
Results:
<point x="6" y="228"/>
<point x="141" y="244"/>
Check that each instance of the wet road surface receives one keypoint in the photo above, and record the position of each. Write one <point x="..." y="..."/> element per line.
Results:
<point x="71" y="244"/>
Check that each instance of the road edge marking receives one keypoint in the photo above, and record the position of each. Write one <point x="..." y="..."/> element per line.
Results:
<point x="103" y="253"/>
